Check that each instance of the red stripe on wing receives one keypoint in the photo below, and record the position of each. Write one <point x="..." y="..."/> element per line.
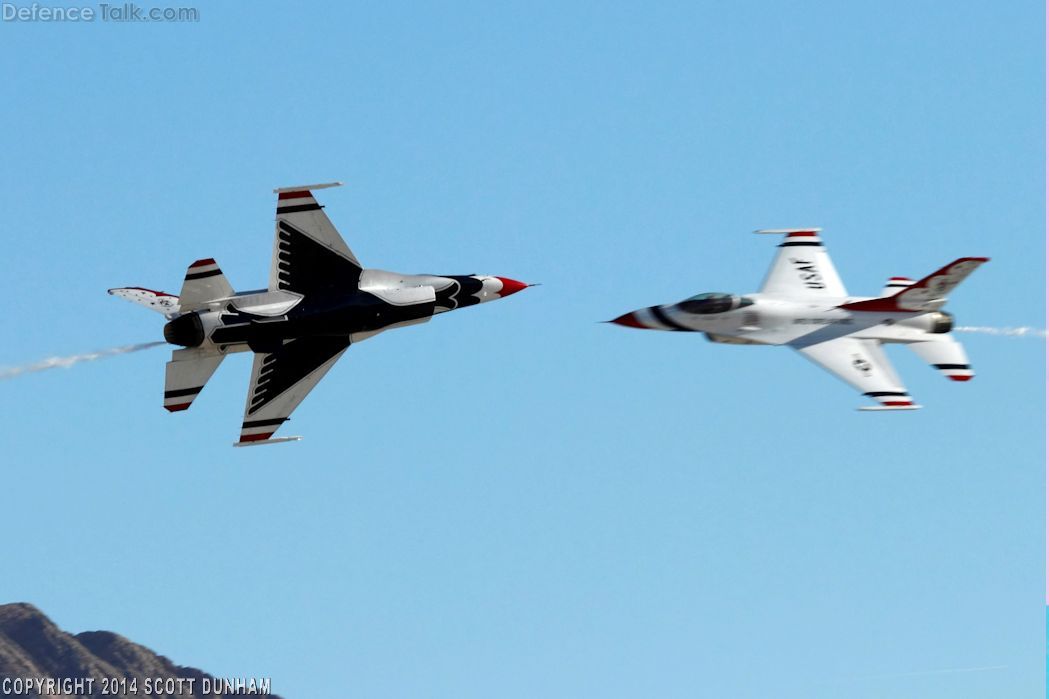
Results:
<point x="255" y="437"/>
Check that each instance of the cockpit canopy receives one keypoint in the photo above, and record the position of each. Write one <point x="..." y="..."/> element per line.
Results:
<point x="713" y="302"/>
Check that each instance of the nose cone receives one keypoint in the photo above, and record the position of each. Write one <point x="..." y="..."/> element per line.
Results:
<point x="628" y="320"/>
<point x="510" y="286"/>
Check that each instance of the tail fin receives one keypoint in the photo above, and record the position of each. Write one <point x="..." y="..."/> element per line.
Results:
<point x="187" y="372"/>
<point x="928" y="294"/>
<point x="204" y="283"/>
<point x="946" y="355"/>
<point x="153" y="300"/>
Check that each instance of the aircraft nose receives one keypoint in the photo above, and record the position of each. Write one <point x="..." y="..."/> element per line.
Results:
<point x="511" y="286"/>
<point x="628" y="320"/>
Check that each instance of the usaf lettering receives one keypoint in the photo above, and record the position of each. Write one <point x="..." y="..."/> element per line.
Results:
<point x="808" y="273"/>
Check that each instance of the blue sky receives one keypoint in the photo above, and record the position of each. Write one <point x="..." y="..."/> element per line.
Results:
<point x="516" y="500"/>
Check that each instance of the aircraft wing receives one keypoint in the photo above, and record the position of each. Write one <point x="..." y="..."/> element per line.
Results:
<point x="281" y="379"/>
<point x="308" y="253"/>
<point x="863" y="365"/>
<point x="802" y="268"/>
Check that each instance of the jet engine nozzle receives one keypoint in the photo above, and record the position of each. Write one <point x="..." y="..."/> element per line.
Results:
<point x="936" y="322"/>
<point x="186" y="330"/>
<point x="942" y="322"/>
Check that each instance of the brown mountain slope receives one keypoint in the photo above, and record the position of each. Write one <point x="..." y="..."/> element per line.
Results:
<point x="32" y="646"/>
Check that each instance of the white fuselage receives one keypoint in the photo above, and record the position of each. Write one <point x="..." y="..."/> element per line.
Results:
<point x="765" y="320"/>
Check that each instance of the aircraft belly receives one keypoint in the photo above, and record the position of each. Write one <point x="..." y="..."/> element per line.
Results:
<point x="363" y="313"/>
<point x="892" y="333"/>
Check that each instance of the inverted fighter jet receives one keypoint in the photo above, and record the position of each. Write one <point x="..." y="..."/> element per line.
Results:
<point x="803" y="304"/>
<point x="318" y="302"/>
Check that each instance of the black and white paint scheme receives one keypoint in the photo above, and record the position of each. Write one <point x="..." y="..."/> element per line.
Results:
<point x="319" y="301"/>
<point x="803" y="304"/>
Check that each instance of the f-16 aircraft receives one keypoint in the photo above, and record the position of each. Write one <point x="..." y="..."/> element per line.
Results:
<point x="803" y="304"/>
<point x="318" y="302"/>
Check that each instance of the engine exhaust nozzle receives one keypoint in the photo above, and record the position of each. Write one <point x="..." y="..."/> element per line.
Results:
<point x="186" y="330"/>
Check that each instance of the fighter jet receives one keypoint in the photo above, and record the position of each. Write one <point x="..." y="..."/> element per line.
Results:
<point x="318" y="302"/>
<point x="803" y="304"/>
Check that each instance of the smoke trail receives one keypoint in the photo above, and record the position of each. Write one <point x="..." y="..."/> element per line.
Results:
<point x="66" y="362"/>
<point x="1003" y="332"/>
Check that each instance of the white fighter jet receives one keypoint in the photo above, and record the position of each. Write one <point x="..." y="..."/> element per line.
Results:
<point x="803" y="304"/>
<point x="319" y="301"/>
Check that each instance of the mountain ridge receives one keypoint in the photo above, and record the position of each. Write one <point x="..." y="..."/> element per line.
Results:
<point x="33" y="646"/>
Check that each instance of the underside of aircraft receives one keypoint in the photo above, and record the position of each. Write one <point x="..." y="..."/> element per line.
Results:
<point x="319" y="301"/>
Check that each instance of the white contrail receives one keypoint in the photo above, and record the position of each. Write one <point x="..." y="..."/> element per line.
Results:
<point x="65" y="362"/>
<point x="1003" y="332"/>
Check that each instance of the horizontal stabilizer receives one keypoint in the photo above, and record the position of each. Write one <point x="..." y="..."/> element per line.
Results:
<point x="204" y="284"/>
<point x="186" y="374"/>
<point x="153" y="300"/>
<point x="928" y="294"/>
<point x="946" y="355"/>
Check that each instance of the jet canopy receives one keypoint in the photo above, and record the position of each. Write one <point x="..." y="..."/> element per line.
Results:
<point x="713" y="302"/>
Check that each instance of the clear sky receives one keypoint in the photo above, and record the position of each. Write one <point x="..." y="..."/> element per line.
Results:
<point x="515" y="500"/>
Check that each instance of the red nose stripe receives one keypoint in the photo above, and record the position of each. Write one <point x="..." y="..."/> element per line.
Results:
<point x="629" y="320"/>
<point x="510" y="286"/>
<point x="959" y="377"/>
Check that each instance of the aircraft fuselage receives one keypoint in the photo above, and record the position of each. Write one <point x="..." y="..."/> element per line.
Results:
<point x="759" y="319"/>
<point x="263" y="320"/>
